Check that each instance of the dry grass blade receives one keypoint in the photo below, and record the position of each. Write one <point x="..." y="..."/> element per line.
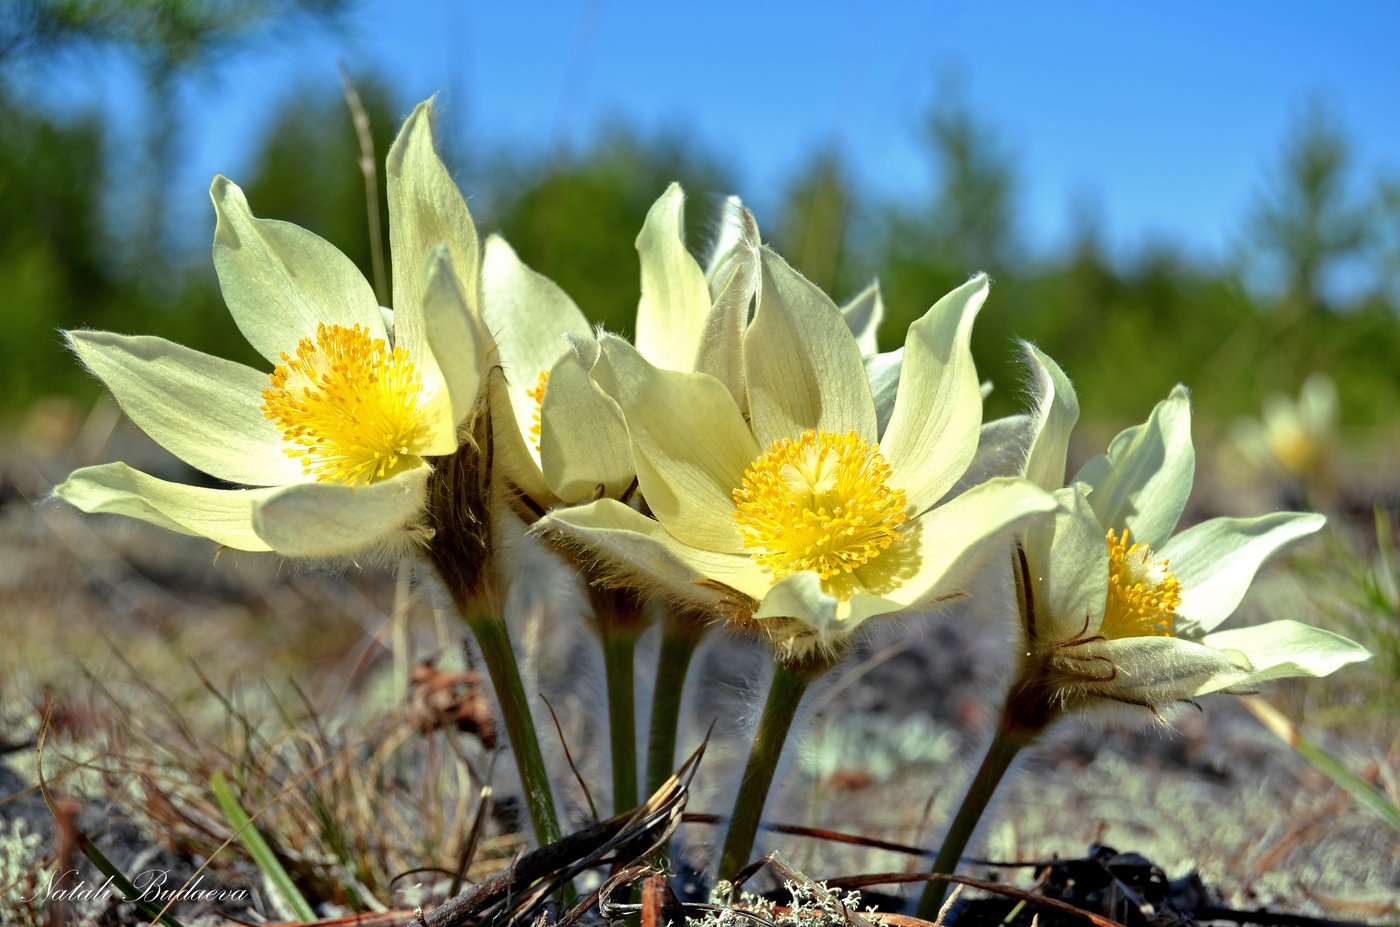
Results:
<point x="472" y="841"/>
<point x="528" y="884"/>
<point x="569" y="755"/>
<point x="996" y="888"/>
<point x="818" y="833"/>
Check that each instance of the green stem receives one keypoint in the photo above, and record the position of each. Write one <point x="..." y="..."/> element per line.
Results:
<point x="785" y="694"/>
<point x="679" y="638"/>
<point x="1000" y="753"/>
<point x="494" y="639"/>
<point x="619" y="647"/>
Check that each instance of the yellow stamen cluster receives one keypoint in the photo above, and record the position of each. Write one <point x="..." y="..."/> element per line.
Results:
<point x="349" y="405"/>
<point x="537" y="394"/>
<point x="821" y="503"/>
<point x="1143" y="594"/>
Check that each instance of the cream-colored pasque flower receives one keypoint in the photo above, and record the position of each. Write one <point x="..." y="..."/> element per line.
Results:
<point x="1295" y="438"/>
<point x="560" y="439"/>
<point x="334" y="441"/>
<point x="790" y="506"/>
<point x="1117" y="606"/>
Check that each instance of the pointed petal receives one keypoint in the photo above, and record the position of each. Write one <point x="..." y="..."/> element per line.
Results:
<point x="933" y="431"/>
<point x="675" y="298"/>
<point x="280" y="281"/>
<point x="689" y="444"/>
<point x="511" y="458"/>
<point x="639" y="548"/>
<point x="737" y="241"/>
<point x="1144" y="480"/>
<point x="1057" y="409"/>
<point x="1068" y="558"/>
<point x="802" y="366"/>
<point x="222" y="515"/>
<point x="1153" y="670"/>
<point x="531" y="319"/>
<point x="583" y="439"/>
<point x="721" y="352"/>
<point x="882" y="370"/>
<point x="863" y="316"/>
<point x="1279" y="649"/>
<point x="1216" y="560"/>
<point x="1001" y="451"/>
<point x="440" y="335"/>
<point x="205" y="410"/>
<point x="943" y="548"/>
<point x="426" y="209"/>
<point x="330" y="519"/>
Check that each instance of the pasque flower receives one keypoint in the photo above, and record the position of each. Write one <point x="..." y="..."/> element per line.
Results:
<point x="787" y="506"/>
<point x="334" y="442"/>
<point x="1120" y="606"/>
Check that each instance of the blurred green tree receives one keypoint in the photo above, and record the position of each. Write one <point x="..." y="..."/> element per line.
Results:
<point x="814" y="222"/>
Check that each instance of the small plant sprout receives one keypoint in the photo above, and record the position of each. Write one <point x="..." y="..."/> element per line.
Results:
<point x="785" y="507"/>
<point x="1115" y="607"/>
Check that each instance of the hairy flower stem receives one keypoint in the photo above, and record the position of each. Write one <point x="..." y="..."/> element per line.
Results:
<point x="790" y="682"/>
<point x="619" y="647"/>
<point x="494" y="639"/>
<point x="1017" y="728"/>
<point x="679" y="638"/>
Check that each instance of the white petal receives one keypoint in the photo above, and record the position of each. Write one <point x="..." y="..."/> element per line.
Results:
<point x="1068" y="560"/>
<point x="675" y="298"/>
<point x="942" y="549"/>
<point x="426" y="209"/>
<point x="531" y="319"/>
<point x="635" y="546"/>
<point x="1001" y="451"/>
<point x="799" y="613"/>
<point x="882" y="370"/>
<point x="802" y="366"/>
<point x="440" y="336"/>
<point x="1057" y="409"/>
<point x="1216" y="560"/>
<point x="205" y="410"/>
<point x="583" y="439"/>
<point x="933" y="431"/>
<point x="737" y="240"/>
<point x="1144" y="480"/>
<point x="690" y="444"/>
<point x="1279" y="649"/>
<point x="721" y="352"/>
<point x="1153" y="670"/>
<point x="222" y="515"/>
<point x="511" y="458"/>
<point x="280" y="281"/>
<point x="330" y="519"/>
<point x="863" y="316"/>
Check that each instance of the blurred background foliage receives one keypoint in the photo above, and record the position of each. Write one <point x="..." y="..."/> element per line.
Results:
<point x="78" y="250"/>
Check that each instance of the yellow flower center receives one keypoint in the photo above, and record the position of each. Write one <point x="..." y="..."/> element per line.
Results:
<point x="349" y="405"/>
<point x="537" y="394"/>
<point x="821" y="503"/>
<point x="1143" y="594"/>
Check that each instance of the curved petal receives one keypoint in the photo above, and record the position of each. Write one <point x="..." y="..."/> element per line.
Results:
<point x="1216" y="560"/>
<point x="1144" y="480"/>
<point x="222" y="515"/>
<point x="530" y="318"/>
<point x="737" y="241"/>
<point x="1151" y="671"/>
<point x="949" y="544"/>
<point x="330" y="519"/>
<point x="932" y="435"/>
<point x="634" y="546"/>
<point x="583" y="440"/>
<point x="1068" y="558"/>
<point x="281" y="281"/>
<point x="675" y="298"/>
<point x="1057" y="409"/>
<point x="863" y="316"/>
<point x="205" y="410"/>
<point x="689" y="443"/>
<point x="439" y="334"/>
<point x="1279" y="649"/>
<point x="511" y="457"/>
<point x="1001" y="451"/>
<point x="426" y="209"/>
<point x="799" y="613"/>
<point x="882" y="370"/>
<point x="721" y="352"/>
<point x="802" y="366"/>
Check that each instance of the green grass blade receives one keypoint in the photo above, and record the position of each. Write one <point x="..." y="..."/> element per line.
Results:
<point x="119" y="879"/>
<point x="1366" y="794"/>
<point x="257" y="848"/>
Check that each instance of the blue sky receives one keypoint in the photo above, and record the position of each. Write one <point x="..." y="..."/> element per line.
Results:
<point x="1162" y="118"/>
